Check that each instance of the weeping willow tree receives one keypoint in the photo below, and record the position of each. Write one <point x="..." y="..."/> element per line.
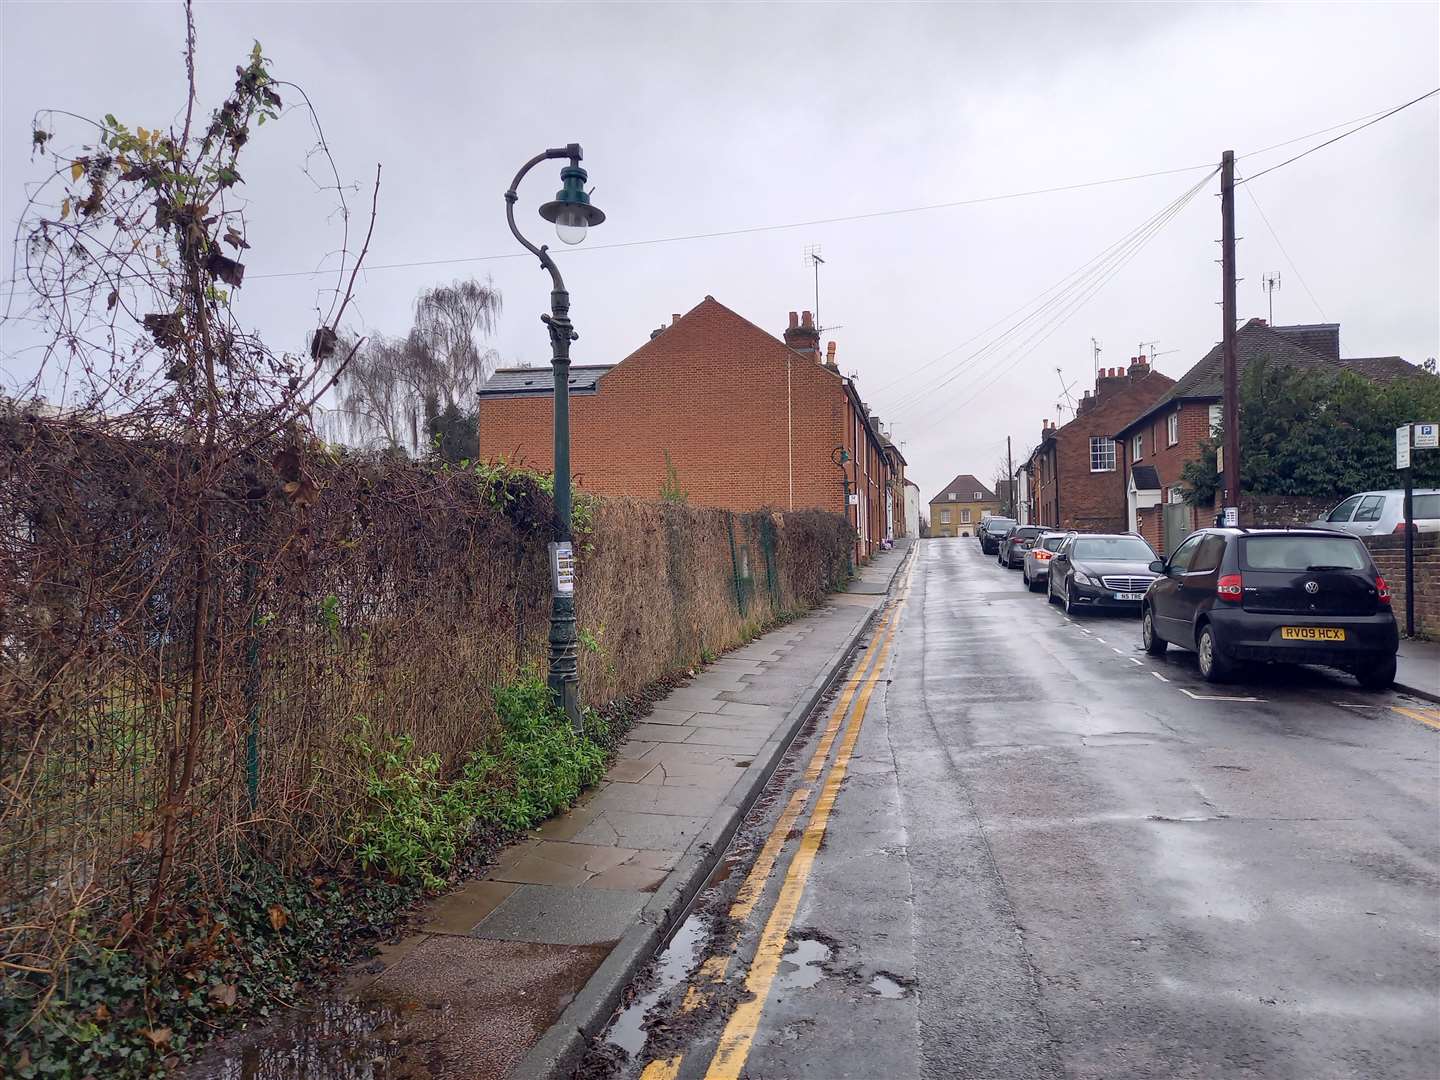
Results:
<point x="410" y="393"/>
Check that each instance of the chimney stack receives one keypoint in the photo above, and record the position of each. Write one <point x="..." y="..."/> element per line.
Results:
<point x="802" y="336"/>
<point x="1139" y="367"/>
<point x="830" y="357"/>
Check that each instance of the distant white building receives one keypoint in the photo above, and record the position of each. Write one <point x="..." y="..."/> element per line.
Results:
<point x="912" y="508"/>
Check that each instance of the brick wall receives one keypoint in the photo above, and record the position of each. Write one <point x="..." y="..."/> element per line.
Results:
<point x="1389" y="555"/>
<point x="746" y="421"/>
<point x="1086" y="500"/>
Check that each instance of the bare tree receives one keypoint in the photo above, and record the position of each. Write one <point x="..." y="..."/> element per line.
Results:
<point x="394" y="389"/>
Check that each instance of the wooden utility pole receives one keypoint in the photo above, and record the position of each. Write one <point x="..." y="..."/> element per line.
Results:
<point x="1231" y="418"/>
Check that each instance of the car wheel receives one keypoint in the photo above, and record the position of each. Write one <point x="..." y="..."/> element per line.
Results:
<point x="1050" y="591"/>
<point x="1025" y="577"/>
<point x="1377" y="676"/>
<point x="1035" y="586"/>
<point x="1155" y="645"/>
<point x="1214" y="667"/>
<point x="1065" y="602"/>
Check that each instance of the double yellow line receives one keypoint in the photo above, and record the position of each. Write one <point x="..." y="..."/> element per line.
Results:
<point x="1428" y="717"/>
<point x="734" y="1047"/>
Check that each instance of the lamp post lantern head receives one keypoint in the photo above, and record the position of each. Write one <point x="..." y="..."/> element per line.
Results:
<point x="571" y="210"/>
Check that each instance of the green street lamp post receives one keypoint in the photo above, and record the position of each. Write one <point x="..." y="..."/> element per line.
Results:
<point x="840" y="456"/>
<point x="572" y="214"/>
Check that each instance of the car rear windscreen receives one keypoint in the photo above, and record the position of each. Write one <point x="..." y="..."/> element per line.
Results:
<point x="1052" y="543"/>
<point x="1304" y="553"/>
<point x="1027" y="532"/>
<point x="1111" y="549"/>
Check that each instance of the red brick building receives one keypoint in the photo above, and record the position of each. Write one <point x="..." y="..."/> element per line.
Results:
<point x="1160" y="439"/>
<point x="1075" y="474"/>
<point x="717" y="409"/>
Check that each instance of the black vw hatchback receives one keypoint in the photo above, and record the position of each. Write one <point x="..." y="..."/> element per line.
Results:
<point x="1296" y="596"/>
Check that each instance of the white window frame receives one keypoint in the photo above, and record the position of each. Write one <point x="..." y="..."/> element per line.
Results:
<point x="1177" y="494"/>
<point x="944" y="517"/>
<point x="1099" y="445"/>
<point x="949" y="496"/>
<point x="1172" y="428"/>
<point x="965" y="515"/>
<point x="979" y="496"/>
<point x="1137" y="446"/>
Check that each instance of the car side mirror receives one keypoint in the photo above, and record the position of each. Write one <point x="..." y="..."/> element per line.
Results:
<point x="1158" y="566"/>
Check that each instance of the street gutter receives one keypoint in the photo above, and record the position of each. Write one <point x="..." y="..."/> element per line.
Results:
<point x="562" y="1046"/>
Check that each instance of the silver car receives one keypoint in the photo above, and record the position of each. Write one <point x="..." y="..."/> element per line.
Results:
<point x="1038" y="556"/>
<point x="1379" y="513"/>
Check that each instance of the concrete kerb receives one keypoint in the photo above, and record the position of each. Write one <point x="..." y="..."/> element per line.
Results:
<point x="561" y="1047"/>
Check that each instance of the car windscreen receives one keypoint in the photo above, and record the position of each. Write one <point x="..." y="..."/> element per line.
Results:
<point x="1111" y="549"/>
<point x="1052" y="543"/>
<point x="1425" y="507"/>
<point x="998" y="524"/>
<point x="1303" y="553"/>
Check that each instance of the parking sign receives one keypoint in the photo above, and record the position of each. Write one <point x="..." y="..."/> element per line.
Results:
<point x="1426" y="437"/>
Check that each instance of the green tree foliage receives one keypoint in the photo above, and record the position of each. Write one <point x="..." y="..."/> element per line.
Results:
<point x="670" y="490"/>
<point x="1317" y="434"/>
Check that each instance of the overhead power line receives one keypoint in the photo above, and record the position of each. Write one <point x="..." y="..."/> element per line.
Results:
<point x="1276" y="237"/>
<point x="1055" y="305"/>
<point x="1346" y="134"/>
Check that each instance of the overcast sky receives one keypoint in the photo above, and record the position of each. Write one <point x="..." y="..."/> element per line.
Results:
<point x="705" y="118"/>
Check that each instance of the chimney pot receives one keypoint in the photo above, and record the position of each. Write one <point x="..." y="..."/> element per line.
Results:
<point x="674" y="319"/>
<point x="807" y="320"/>
<point x="794" y="320"/>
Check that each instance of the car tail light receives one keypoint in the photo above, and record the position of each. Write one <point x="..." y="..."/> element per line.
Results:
<point x="1042" y="556"/>
<point x="1400" y="529"/>
<point x="1230" y="587"/>
<point x="1383" y="589"/>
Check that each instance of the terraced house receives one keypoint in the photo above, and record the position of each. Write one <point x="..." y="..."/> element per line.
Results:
<point x="715" y="411"/>
<point x="960" y="506"/>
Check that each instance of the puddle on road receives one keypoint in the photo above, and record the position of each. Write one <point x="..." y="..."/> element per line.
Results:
<point x="886" y="987"/>
<point x="676" y="962"/>
<point x="334" y="1040"/>
<point x="803" y="966"/>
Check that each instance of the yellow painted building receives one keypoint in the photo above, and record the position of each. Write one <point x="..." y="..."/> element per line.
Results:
<point x="961" y="506"/>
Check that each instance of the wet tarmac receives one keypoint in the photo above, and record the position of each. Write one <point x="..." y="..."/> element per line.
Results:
<point x="1055" y="856"/>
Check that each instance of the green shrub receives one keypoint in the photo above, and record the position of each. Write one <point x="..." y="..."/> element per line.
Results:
<point x="414" y="824"/>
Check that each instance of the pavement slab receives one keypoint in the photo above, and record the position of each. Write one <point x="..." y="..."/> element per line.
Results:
<point x="556" y="915"/>
<point x="510" y="973"/>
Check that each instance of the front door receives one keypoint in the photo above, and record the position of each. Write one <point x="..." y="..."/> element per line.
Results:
<point x="1177" y="525"/>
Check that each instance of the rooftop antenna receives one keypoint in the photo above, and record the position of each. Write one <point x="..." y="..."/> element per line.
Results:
<point x="1069" y="402"/>
<point x="1271" y="282"/>
<point x="813" y="259"/>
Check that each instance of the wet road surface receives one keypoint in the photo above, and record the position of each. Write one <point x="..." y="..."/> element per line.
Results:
<point x="1045" y="854"/>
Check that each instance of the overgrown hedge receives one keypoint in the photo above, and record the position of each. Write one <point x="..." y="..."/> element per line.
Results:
<point x="361" y="606"/>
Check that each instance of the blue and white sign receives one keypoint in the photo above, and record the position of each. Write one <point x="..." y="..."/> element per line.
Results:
<point x="1426" y="437"/>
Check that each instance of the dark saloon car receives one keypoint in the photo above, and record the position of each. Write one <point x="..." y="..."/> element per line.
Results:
<point x="1296" y="596"/>
<point x="1012" y="551"/>
<point x="991" y="531"/>
<point x="1108" y="571"/>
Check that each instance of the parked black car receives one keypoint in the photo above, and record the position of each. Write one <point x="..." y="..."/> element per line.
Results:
<point x="991" y="531"/>
<point x="1017" y="542"/>
<point x="1296" y="596"/>
<point x="1101" y="570"/>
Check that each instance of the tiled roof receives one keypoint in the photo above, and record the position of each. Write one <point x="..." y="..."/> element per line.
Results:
<point x="964" y="486"/>
<point x="1281" y="345"/>
<point x="540" y="381"/>
<point x="1146" y="478"/>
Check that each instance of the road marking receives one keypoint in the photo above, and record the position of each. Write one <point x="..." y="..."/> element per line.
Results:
<point x="734" y="1048"/>
<point x="713" y="970"/>
<point x="1101" y="640"/>
<point x="1159" y="676"/>
<point x="1138" y="663"/>
<point x="1428" y="717"/>
<point x="1354" y="705"/>
<point x="1116" y="651"/>
<point x="1083" y="630"/>
<point x="1215" y="697"/>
